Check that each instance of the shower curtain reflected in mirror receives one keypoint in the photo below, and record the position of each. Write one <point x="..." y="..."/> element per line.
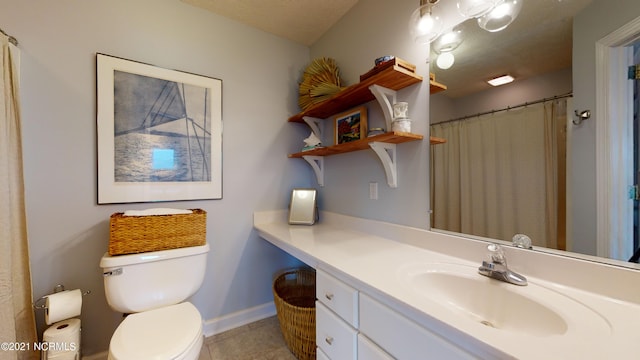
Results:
<point x="16" y="312"/>
<point x="503" y="173"/>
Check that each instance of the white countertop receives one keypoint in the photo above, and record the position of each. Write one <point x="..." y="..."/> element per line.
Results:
<point x="370" y="255"/>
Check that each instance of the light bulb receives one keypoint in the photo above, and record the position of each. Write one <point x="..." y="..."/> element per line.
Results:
<point x="424" y="24"/>
<point x="475" y="8"/>
<point x="445" y="60"/>
<point x="501" y="16"/>
<point x="448" y="41"/>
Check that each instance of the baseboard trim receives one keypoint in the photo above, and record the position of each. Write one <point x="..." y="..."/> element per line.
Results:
<point x="239" y="318"/>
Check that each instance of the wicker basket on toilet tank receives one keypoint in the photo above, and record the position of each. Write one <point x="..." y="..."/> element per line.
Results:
<point x="137" y="234"/>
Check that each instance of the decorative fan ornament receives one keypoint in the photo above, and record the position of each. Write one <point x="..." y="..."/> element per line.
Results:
<point x="320" y="81"/>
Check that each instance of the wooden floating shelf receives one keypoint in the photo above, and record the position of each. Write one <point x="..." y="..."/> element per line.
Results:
<point x="436" y="140"/>
<point x="436" y="87"/>
<point x="393" y="77"/>
<point x="362" y="144"/>
<point x="381" y="83"/>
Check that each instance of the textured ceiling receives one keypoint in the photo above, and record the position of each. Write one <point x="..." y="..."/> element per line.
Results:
<point x="302" y="21"/>
<point x="537" y="42"/>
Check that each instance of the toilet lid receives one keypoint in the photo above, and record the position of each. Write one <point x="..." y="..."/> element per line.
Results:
<point x="162" y="333"/>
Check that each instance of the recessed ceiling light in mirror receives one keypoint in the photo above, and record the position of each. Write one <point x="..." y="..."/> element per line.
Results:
<point x="501" y="80"/>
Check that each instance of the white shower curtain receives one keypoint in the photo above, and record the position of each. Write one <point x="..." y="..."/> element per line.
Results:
<point x="491" y="177"/>
<point x="555" y="153"/>
<point x="17" y="321"/>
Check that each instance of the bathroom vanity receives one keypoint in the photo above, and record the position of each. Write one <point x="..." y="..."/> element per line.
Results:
<point x="387" y="291"/>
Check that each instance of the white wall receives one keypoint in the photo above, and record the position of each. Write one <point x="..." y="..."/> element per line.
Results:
<point x="68" y="231"/>
<point x="373" y="28"/>
<point x="590" y="25"/>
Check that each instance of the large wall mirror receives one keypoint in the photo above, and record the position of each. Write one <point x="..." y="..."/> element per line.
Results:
<point x="506" y="165"/>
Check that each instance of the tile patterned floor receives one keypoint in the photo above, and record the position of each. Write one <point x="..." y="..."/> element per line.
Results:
<point x="261" y="340"/>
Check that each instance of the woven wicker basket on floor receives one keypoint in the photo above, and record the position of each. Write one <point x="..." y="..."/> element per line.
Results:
<point x="136" y="234"/>
<point x="294" y="294"/>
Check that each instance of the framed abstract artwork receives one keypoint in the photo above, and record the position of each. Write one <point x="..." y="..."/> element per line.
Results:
<point x="350" y="125"/>
<point x="159" y="133"/>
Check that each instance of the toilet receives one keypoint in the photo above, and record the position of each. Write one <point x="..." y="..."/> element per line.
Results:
<point x="152" y="288"/>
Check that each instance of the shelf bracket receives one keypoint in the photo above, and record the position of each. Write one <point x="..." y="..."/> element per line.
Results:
<point x="317" y="164"/>
<point x="387" y="154"/>
<point x="314" y="124"/>
<point x="386" y="97"/>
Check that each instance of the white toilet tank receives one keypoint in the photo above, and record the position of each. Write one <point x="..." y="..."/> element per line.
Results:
<point x="145" y="281"/>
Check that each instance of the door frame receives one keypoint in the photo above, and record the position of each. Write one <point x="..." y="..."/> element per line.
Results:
<point x="614" y="141"/>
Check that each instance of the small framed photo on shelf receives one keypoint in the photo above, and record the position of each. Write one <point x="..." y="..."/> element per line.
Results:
<point x="350" y="125"/>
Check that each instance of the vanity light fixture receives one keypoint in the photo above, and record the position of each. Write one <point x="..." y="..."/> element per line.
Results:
<point x="444" y="45"/>
<point x="425" y="24"/>
<point x="475" y="8"/>
<point x="448" y="41"/>
<point x="501" y="80"/>
<point x="445" y="60"/>
<point x="500" y="16"/>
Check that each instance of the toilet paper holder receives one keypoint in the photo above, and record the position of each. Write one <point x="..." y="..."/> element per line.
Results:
<point x="41" y="302"/>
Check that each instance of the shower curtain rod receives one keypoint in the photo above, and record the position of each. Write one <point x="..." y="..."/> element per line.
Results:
<point x="556" y="97"/>
<point x="12" y="40"/>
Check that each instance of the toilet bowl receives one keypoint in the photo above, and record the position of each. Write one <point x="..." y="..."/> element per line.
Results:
<point x="152" y="288"/>
<point x="173" y="333"/>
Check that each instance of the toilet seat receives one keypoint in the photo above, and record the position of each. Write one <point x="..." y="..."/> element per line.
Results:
<point x="170" y="332"/>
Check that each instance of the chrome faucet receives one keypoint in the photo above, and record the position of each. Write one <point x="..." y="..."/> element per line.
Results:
<point x="497" y="268"/>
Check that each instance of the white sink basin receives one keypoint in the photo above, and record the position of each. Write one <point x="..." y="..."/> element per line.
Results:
<point x="531" y="310"/>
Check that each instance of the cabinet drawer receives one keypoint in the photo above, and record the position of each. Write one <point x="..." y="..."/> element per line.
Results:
<point x="370" y="351"/>
<point x="401" y="337"/>
<point x="337" y="296"/>
<point x="335" y="337"/>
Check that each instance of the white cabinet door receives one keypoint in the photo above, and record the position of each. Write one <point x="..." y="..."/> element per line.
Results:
<point x="337" y="296"/>
<point x="367" y="350"/>
<point x="320" y="355"/>
<point x="335" y="337"/>
<point x="401" y="337"/>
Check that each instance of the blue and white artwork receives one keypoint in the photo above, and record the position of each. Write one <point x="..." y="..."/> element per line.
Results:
<point x="162" y="130"/>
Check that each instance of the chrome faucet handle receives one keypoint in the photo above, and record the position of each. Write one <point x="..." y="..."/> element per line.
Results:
<point x="521" y="241"/>
<point x="496" y="254"/>
<point x="487" y="267"/>
<point x="496" y="267"/>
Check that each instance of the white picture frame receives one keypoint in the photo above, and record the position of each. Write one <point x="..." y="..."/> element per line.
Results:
<point x="159" y="133"/>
